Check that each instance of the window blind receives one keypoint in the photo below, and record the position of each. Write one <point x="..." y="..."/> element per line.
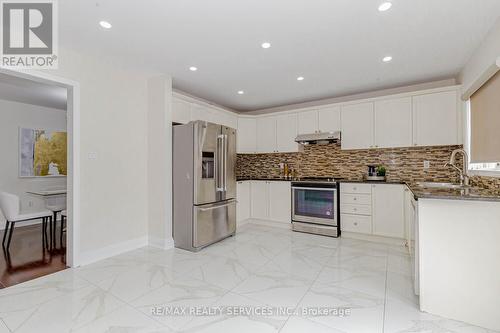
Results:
<point x="485" y="122"/>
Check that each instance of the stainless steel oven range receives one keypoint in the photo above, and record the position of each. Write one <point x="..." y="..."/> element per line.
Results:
<point x="315" y="206"/>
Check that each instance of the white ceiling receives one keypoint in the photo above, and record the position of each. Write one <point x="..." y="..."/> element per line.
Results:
<point x="30" y="92"/>
<point x="337" y="45"/>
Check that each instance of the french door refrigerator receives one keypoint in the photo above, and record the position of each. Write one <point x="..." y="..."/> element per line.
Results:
<point x="204" y="184"/>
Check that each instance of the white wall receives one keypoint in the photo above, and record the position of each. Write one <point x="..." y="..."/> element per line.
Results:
<point x="114" y="186"/>
<point x="12" y="116"/>
<point x="484" y="57"/>
<point x="160" y="162"/>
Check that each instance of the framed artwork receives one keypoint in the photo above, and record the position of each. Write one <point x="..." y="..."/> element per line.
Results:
<point x="42" y="153"/>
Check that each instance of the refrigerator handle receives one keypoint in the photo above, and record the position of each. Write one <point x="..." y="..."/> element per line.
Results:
<point x="225" y="145"/>
<point x="219" y="187"/>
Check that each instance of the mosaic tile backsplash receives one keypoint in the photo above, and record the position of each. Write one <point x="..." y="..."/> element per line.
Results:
<point x="402" y="164"/>
<point x="489" y="183"/>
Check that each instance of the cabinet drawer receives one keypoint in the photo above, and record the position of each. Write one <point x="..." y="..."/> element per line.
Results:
<point x="355" y="188"/>
<point x="356" y="209"/>
<point x="356" y="223"/>
<point x="357" y="199"/>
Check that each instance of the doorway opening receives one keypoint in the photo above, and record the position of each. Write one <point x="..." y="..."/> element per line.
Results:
<point x="39" y="143"/>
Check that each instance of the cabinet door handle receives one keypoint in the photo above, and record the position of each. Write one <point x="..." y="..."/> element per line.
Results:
<point x="355" y="223"/>
<point x="355" y="209"/>
<point x="355" y="199"/>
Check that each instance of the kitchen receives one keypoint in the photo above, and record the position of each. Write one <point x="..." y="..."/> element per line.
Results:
<point x="262" y="166"/>
<point x="370" y="169"/>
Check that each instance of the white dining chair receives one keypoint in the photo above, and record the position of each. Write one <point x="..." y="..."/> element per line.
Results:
<point x="10" y="206"/>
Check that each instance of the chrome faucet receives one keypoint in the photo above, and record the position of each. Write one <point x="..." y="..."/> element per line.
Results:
<point x="464" y="178"/>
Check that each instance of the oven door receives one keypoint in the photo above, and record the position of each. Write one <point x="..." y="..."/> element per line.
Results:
<point x="314" y="205"/>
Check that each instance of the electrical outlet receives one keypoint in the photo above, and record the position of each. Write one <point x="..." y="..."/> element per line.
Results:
<point x="427" y="164"/>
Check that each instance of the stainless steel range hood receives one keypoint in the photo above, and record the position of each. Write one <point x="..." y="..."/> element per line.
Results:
<point x="318" y="138"/>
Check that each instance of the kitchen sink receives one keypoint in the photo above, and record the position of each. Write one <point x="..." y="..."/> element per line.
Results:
<point x="441" y="185"/>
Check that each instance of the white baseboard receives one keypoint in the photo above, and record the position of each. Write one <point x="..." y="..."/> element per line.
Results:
<point x="112" y="250"/>
<point x="242" y="223"/>
<point x="161" y="243"/>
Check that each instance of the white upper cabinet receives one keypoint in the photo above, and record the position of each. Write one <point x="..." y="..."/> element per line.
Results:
<point x="393" y="123"/>
<point x="357" y="126"/>
<point x="184" y="111"/>
<point x="388" y="210"/>
<point x="286" y="132"/>
<point x="308" y="122"/>
<point x="200" y="112"/>
<point x="266" y="135"/>
<point x="435" y="119"/>
<point x="181" y="111"/>
<point x="329" y="119"/>
<point x="247" y="135"/>
<point x="224" y="118"/>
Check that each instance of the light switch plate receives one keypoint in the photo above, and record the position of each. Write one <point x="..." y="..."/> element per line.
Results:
<point x="427" y="164"/>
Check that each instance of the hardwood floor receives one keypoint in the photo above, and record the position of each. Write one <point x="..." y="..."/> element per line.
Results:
<point x="27" y="259"/>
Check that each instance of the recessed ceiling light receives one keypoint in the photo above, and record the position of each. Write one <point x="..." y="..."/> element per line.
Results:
<point x="387" y="59"/>
<point x="266" y="45"/>
<point x="193" y="69"/>
<point x="384" y="6"/>
<point x="240" y="92"/>
<point x="105" y="24"/>
<point x="300" y="78"/>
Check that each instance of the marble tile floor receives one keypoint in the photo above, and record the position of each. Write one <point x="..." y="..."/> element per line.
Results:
<point x="262" y="269"/>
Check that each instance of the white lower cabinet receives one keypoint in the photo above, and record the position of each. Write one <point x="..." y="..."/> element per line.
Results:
<point x="356" y="208"/>
<point x="243" y="201"/>
<point x="271" y="200"/>
<point x="373" y="209"/>
<point x="280" y="196"/>
<point x="259" y="199"/>
<point x="388" y="210"/>
<point x="357" y="223"/>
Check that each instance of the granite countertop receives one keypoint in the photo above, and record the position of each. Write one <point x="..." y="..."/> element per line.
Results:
<point x="419" y="192"/>
<point x="471" y="193"/>
<point x="263" y="179"/>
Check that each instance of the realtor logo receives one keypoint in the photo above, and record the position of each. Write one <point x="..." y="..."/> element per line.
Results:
<point x="29" y="34"/>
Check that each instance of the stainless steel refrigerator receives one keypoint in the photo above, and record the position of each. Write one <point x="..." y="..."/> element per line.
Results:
<point x="204" y="184"/>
